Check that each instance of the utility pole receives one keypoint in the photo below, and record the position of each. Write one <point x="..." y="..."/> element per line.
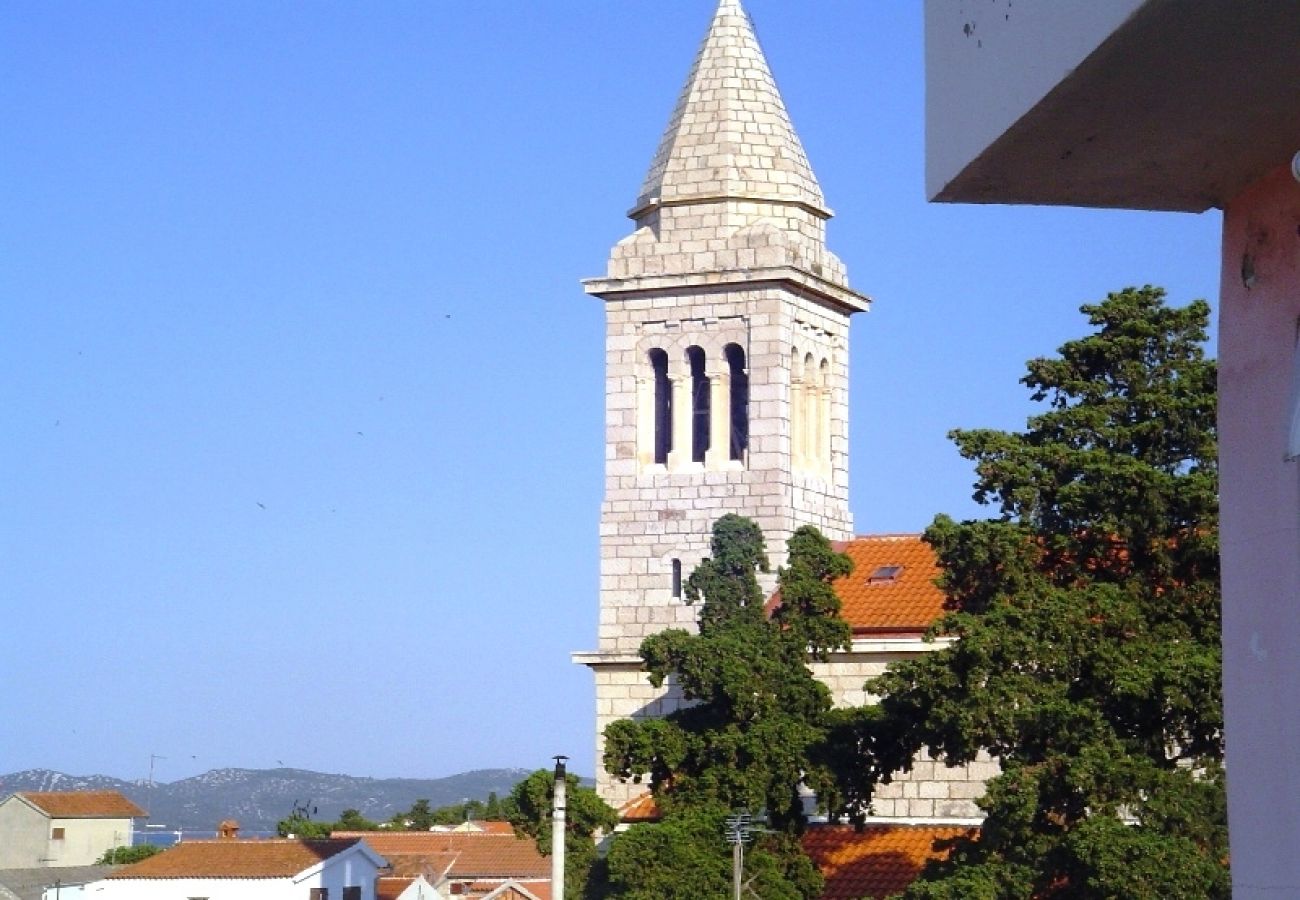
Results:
<point x="558" y="816"/>
<point x="739" y="826"/>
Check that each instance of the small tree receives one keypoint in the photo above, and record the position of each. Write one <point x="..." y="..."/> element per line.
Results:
<point x="352" y="820"/>
<point x="1087" y="624"/>
<point x="748" y="740"/>
<point x="122" y="856"/>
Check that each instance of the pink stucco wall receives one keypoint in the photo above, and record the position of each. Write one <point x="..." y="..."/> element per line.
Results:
<point x="1259" y="331"/>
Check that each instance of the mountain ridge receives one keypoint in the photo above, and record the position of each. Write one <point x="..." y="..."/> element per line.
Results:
<point x="259" y="798"/>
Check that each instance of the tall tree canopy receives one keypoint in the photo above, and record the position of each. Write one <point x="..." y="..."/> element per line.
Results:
<point x="1087" y="623"/>
<point x="757" y="714"/>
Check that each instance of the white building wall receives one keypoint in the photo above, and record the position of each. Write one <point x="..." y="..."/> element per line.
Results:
<point x="24" y="835"/>
<point x="350" y="869"/>
<point x="86" y="840"/>
<point x="988" y="64"/>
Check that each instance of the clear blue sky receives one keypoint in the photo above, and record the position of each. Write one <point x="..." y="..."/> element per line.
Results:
<point x="301" y="399"/>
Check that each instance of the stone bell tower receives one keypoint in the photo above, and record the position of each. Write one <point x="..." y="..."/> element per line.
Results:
<point x="727" y="359"/>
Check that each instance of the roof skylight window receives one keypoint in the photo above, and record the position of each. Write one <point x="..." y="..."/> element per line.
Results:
<point x="885" y="575"/>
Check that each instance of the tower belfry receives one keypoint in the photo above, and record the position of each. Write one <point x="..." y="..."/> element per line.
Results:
<point x="727" y="357"/>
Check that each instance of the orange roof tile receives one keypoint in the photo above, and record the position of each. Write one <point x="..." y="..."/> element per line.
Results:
<point x="83" y="804"/>
<point x="876" y="862"/>
<point x="478" y="854"/>
<point x="515" y="890"/>
<point x="911" y="602"/>
<point x="235" y="859"/>
<point x="641" y="808"/>
<point x="389" y="888"/>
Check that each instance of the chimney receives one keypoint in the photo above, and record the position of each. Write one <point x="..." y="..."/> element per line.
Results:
<point x="228" y="830"/>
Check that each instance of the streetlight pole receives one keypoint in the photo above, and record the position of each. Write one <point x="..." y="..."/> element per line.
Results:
<point x="558" y="815"/>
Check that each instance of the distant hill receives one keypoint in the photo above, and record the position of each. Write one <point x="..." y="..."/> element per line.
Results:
<point x="258" y="798"/>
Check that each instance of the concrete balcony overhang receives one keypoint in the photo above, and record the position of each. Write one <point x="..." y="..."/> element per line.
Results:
<point x="1140" y="104"/>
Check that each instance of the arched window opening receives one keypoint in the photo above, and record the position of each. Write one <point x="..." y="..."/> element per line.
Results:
<point x="739" y="401"/>
<point x="824" y="413"/>
<point x="796" y="406"/>
<point x="663" y="400"/>
<point x="677" y="579"/>
<point x="699" y="404"/>
<point x="809" y="411"/>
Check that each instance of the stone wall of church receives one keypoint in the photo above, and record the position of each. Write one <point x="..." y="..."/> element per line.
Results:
<point x="657" y="513"/>
<point x="930" y="791"/>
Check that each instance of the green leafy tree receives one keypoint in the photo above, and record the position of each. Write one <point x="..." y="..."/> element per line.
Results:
<point x="748" y="740"/>
<point x="1087" y="623"/>
<point x="586" y="816"/>
<point x="122" y="856"/>
<point x="300" y="824"/>
<point x="352" y="820"/>
<point x="420" y="817"/>
<point x="684" y="857"/>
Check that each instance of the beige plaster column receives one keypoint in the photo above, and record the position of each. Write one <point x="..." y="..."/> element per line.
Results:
<point x="719" y="422"/>
<point x="645" y="421"/>
<point x="680" y="456"/>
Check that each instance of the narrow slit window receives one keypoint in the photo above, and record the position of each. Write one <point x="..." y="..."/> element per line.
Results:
<point x="677" y="579"/>
<point x="739" y="401"/>
<point x="699" y="404"/>
<point x="663" y="400"/>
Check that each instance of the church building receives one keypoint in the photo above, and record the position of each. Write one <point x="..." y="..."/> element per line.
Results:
<point x="727" y="354"/>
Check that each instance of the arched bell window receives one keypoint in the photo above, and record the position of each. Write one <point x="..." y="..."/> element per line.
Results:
<point x="663" y="406"/>
<point x="739" y="401"/>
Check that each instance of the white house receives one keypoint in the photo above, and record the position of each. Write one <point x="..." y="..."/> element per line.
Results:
<point x="249" y="870"/>
<point x="40" y="829"/>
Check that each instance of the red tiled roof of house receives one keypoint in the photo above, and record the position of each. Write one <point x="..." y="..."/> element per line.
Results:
<point x="876" y="862"/>
<point x="530" y="890"/>
<point x="390" y="888"/>
<point x="83" y="804"/>
<point x="492" y="827"/>
<point x="236" y="859"/>
<point x="478" y="854"/>
<point x="641" y="808"/>
<point x="908" y="602"/>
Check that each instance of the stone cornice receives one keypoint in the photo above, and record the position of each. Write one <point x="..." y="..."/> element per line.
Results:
<point x="836" y="296"/>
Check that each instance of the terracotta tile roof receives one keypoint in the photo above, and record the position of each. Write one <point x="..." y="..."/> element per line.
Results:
<point x="909" y="602"/>
<point x="481" y="827"/>
<point x="431" y="865"/>
<point x="235" y="859"/>
<point x="478" y="854"/>
<point x="876" y="862"/>
<point x="83" y="804"/>
<point x="641" y="808"/>
<point x="389" y="888"/>
<point x="516" y="891"/>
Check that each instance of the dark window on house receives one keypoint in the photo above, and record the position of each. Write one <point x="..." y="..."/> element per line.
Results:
<point x="677" y="579"/>
<point x="56" y="834"/>
<point x="699" y="404"/>
<point x="885" y="575"/>
<point x="319" y="894"/>
<point x="739" y="401"/>
<point x="352" y="893"/>
<point x="663" y="406"/>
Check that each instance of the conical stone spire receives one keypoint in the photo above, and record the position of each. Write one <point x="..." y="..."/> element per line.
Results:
<point x="730" y="197"/>
<point x="730" y="136"/>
